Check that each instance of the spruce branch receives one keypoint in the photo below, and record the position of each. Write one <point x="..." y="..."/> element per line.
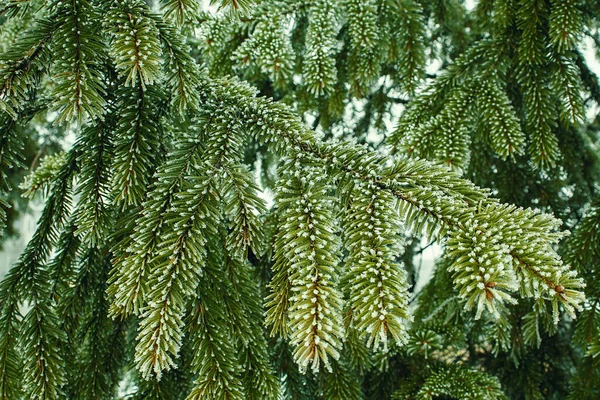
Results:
<point x="539" y="116"/>
<point x="178" y="10"/>
<point x="565" y="25"/>
<point x="566" y="83"/>
<point x="177" y="268"/>
<point x="409" y="23"/>
<point x="237" y="308"/>
<point x="43" y="365"/>
<point x="10" y="359"/>
<point x="582" y="247"/>
<point x="458" y="382"/>
<point x="79" y="91"/>
<point x="137" y="137"/>
<point x="128" y="280"/>
<point x="258" y="376"/>
<point x="364" y="61"/>
<point x="183" y="74"/>
<point x="319" y="70"/>
<point x="270" y="49"/>
<point x="62" y="265"/>
<point x="41" y="179"/>
<point x="21" y="66"/>
<point x="278" y="301"/>
<point x="530" y="18"/>
<point x="244" y="208"/>
<point x="136" y="46"/>
<point x="376" y="283"/>
<point x="53" y="217"/>
<point x="506" y="137"/>
<point x="308" y="249"/>
<point x="214" y="359"/>
<point x="340" y="383"/>
<point x="452" y="203"/>
<point x="436" y="125"/>
<point x="94" y="209"/>
<point x="27" y="281"/>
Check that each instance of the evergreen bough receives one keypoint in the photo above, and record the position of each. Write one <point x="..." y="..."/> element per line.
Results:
<point x="157" y="269"/>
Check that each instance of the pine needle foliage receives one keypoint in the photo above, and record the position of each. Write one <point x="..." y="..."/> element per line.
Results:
<point x="241" y="211"/>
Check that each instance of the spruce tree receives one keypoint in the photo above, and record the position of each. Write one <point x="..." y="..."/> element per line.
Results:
<point x="251" y="185"/>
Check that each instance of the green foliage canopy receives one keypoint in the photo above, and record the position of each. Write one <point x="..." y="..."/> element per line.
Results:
<point x="158" y="269"/>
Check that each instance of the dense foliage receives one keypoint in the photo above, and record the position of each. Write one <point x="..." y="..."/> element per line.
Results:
<point x="159" y="269"/>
